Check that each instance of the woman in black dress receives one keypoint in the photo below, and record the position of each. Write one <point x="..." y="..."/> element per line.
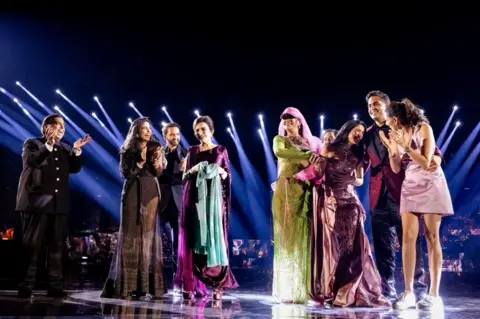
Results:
<point x="137" y="268"/>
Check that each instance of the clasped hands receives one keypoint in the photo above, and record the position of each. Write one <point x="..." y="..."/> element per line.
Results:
<point x="156" y="157"/>
<point x="223" y="173"/>
<point x="398" y="138"/>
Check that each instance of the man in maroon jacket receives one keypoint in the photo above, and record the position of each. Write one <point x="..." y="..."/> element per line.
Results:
<point x="385" y="188"/>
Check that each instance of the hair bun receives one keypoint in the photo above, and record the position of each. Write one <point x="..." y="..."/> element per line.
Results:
<point x="409" y="105"/>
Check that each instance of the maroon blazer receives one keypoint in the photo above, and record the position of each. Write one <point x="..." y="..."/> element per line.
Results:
<point x="383" y="171"/>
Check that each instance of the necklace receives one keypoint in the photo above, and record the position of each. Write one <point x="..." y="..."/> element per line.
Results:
<point x="296" y="139"/>
<point x="298" y="142"/>
<point x="346" y="151"/>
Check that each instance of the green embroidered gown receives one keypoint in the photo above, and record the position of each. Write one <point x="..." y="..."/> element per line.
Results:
<point x="291" y="224"/>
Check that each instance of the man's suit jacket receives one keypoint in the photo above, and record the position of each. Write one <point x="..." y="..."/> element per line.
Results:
<point x="168" y="190"/>
<point x="381" y="173"/>
<point x="43" y="186"/>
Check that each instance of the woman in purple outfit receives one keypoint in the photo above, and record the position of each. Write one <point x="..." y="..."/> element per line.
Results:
<point x="343" y="273"/>
<point x="424" y="194"/>
<point x="203" y="239"/>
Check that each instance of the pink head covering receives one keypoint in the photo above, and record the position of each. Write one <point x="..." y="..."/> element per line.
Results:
<point x="313" y="141"/>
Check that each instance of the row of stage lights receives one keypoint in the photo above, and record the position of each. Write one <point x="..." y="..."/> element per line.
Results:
<point x="196" y="112"/>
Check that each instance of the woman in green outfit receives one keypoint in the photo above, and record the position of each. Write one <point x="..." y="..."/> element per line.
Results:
<point x="295" y="148"/>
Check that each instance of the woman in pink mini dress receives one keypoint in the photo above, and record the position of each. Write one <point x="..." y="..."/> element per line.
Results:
<point x="424" y="194"/>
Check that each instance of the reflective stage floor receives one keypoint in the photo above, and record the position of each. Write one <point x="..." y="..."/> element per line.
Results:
<point x="461" y="297"/>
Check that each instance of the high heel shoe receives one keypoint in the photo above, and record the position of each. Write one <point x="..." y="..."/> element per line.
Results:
<point x="217" y="294"/>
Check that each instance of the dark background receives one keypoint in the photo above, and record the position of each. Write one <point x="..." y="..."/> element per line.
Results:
<point x="245" y="68"/>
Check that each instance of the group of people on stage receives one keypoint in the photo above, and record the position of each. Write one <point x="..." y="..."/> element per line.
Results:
<point x="187" y="189"/>
<point x="186" y="192"/>
<point x="321" y="251"/>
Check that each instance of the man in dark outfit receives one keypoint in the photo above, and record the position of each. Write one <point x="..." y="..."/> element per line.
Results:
<point x="43" y="201"/>
<point x="171" y="184"/>
<point x="385" y="189"/>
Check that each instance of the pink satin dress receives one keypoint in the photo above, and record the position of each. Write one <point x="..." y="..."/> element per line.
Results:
<point x="424" y="192"/>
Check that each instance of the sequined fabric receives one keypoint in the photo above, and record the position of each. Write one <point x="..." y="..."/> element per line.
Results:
<point x="291" y="224"/>
<point x="343" y="271"/>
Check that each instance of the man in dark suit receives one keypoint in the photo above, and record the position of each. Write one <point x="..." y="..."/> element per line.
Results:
<point x="385" y="189"/>
<point x="43" y="201"/>
<point x="171" y="184"/>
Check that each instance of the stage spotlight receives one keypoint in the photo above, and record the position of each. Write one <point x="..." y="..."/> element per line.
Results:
<point x="458" y="123"/>
<point x="260" y="117"/>
<point x="17" y="83"/>
<point x="163" y="123"/>
<point x="229" y="129"/>
<point x="422" y="110"/>
<point x="58" y="91"/>
<point x="196" y="112"/>
<point x="131" y="104"/>
<point x="259" y="131"/>
<point x="94" y="115"/>
<point x="229" y="114"/>
<point x="455" y="107"/>
<point x="95" y="98"/>
<point x="164" y="108"/>
<point x="15" y="100"/>
<point x="355" y="116"/>
<point x="129" y="120"/>
<point x="322" y="117"/>
<point x="56" y="108"/>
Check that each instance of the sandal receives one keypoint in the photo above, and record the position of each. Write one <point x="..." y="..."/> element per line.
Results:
<point x="217" y="294"/>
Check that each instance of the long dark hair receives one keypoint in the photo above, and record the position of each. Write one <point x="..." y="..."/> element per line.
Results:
<point x="342" y="139"/>
<point x="131" y="141"/>
<point x="407" y="113"/>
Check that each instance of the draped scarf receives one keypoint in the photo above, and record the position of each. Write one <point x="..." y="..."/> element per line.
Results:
<point x="209" y="238"/>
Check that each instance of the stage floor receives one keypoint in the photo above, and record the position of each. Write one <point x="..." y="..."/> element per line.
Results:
<point x="460" y="292"/>
<point x="241" y="303"/>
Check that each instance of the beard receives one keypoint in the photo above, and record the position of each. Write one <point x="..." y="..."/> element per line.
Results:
<point x="173" y="142"/>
